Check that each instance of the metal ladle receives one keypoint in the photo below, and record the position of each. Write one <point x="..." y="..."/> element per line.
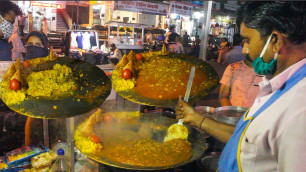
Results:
<point x="179" y="131"/>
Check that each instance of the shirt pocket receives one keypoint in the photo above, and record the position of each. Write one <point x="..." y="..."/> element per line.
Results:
<point x="248" y="155"/>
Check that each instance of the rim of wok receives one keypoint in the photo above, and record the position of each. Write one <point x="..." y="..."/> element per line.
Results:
<point x="197" y="140"/>
<point x="69" y="106"/>
<point x="207" y="69"/>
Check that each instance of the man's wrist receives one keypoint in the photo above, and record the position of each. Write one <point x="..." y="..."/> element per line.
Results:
<point x="197" y="119"/>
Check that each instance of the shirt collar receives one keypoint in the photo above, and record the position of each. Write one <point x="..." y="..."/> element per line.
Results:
<point x="276" y="82"/>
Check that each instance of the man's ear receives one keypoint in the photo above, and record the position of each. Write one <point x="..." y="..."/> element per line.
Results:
<point x="278" y="40"/>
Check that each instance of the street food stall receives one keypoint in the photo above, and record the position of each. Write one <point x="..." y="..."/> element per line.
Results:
<point x="126" y="35"/>
<point x="112" y="131"/>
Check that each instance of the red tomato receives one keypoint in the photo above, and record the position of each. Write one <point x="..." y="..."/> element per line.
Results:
<point x="15" y="84"/>
<point x="107" y="118"/>
<point x="26" y="64"/>
<point x="95" y="138"/>
<point x="126" y="74"/>
<point x="138" y="57"/>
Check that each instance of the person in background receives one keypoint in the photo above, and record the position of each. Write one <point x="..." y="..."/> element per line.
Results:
<point x="239" y="85"/>
<point x="22" y="20"/>
<point x="212" y="48"/>
<point x="270" y="136"/>
<point x="235" y="54"/>
<point x="106" y="50"/>
<point x="36" y="45"/>
<point x="197" y="40"/>
<point x="171" y="30"/>
<point x="8" y="13"/>
<point x="174" y="45"/>
<point x="216" y="30"/>
<point x="15" y="40"/>
<point x="45" y="26"/>
<point x="222" y="50"/>
<point x="149" y="37"/>
<point x="161" y="38"/>
<point x="104" y="47"/>
<point x="186" y="39"/>
<point x="115" y="54"/>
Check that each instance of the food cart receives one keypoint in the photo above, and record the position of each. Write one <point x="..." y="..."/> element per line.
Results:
<point x="126" y="35"/>
<point x="59" y="129"/>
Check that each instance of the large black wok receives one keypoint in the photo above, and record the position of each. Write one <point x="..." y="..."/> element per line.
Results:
<point x="93" y="87"/>
<point x="150" y="120"/>
<point x="206" y="86"/>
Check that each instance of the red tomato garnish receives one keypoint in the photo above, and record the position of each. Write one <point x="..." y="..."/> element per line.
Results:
<point x="26" y="64"/>
<point x="107" y="118"/>
<point x="15" y="84"/>
<point x="138" y="57"/>
<point x="95" y="138"/>
<point x="126" y="73"/>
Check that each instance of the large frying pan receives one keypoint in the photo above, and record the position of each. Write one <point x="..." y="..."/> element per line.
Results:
<point x="206" y="79"/>
<point x="196" y="138"/>
<point x="92" y="89"/>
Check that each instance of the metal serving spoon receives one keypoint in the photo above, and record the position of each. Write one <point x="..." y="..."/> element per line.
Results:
<point x="179" y="131"/>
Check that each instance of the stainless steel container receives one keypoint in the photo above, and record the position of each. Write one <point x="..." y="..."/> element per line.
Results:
<point x="229" y="114"/>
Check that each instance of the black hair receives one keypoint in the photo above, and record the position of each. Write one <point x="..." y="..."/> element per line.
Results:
<point x="172" y="27"/>
<point x="41" y="36"/>
<point x="237" y="39"/>
<point x="173" y="36"/>
<point x="265" y="16"/>
<point x="6" y="6"/>
<point x="113" y="45"/>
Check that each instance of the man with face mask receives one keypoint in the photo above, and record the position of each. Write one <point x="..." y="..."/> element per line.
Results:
<point x="8" y="12"/>
<point x="36" y="46"/>
<point x="271" y="135"/>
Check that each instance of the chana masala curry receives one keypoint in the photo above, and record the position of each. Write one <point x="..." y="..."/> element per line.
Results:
<point x="161" y="76"/>
<point x="121" y="137"/>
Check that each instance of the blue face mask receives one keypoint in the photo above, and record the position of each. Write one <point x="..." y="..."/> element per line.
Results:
<point x="263" y="68"/>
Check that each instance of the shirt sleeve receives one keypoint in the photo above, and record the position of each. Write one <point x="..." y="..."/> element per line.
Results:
<point x="227" y="76"/>
<point x="292" y="146"/>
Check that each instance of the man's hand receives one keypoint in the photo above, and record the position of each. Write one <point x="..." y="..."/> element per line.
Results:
<point x="184" y="110"/>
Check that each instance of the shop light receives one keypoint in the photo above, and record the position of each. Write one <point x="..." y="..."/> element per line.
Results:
<point x="227" y="17"/>
<point x="198" y="15"/>
<point x="174" y="16"/>
<point x="96" y="7"/>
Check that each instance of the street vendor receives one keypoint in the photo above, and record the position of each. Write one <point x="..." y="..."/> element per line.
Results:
<point x="36" y="45"/>
<point x="271" y="135"/>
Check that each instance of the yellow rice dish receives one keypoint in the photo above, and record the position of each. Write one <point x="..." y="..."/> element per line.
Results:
<point x="50" y="82"/>
<point x="53" y="83"/>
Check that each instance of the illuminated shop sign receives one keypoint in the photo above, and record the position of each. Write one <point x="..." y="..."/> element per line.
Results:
<point x="44" y="4"/>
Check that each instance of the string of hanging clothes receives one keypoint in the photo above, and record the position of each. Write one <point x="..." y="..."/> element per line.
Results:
<point x="84" y="39"/>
